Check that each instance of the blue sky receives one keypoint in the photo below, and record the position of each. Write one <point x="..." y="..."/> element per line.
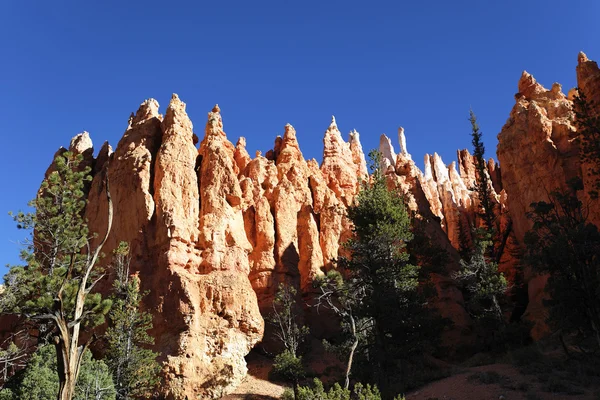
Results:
<point x="81" y="65"/>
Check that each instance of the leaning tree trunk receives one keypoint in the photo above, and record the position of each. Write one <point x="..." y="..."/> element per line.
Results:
<point x="351" y="355"/>
<point x="68" y="351"/>
<point x="68" y="362"/>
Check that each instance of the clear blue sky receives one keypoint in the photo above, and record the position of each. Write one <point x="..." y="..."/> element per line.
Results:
<point x="82" y="65"/>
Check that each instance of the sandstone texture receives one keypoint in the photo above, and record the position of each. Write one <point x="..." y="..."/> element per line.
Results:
<point x="214" y="231"/>
<point x="538" y="150"/>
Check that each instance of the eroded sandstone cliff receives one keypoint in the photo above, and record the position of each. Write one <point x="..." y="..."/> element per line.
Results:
<point x="538" y="149"/>
<point x="213" y="231"/>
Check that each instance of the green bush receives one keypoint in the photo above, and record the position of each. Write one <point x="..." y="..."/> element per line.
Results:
<point x="7" y="394"/>
<point x="39" y="380"/>
<point x="287" y="367"/>
<point x="336" y="392"/>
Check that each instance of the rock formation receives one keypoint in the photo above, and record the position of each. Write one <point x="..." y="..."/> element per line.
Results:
<point x="538" y="150"/>
<point x="213" y="231"/>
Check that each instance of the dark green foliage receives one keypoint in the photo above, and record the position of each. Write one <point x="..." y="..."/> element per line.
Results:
<point x="134" y="368"/>
<point x="587" y="120"/>
<point x="54" y="257"/>
<point x="485" y="288"/>
<point x="287" y="367"/>
<point x="483" y="186"/>
<point x="483" y="282"/>
<point x="395" y="320"/>
<point x="12" y="357"/>
<point x="336" y="392"/>
<point x="563" y="244"/>
<point x="39" y="379"/>
<point x="284" y="318"/>
<point x="425" y="252"/>
<point x="340" y="295"/>
<point x="55" y="288"/>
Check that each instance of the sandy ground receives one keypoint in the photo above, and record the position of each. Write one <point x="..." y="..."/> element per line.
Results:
<point x="256" y="385"/>
<point x="515" y="386"/>
<point x="462" y="386"/>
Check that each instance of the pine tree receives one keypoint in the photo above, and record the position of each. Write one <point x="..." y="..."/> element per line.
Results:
<point x="565" y="245"/>
<point x="486" y="287"/>
<point x="134" y="367"/>
<point x="483" y="186"/>
<point x="39" y="379"/>
<point x="587" y="120"/>
<point x="55" y="287"/>
<point x="290" y="333"/>
<point x="395" y="319"/>
<point x="284" y="318"/>
<point x="338" y="295"/>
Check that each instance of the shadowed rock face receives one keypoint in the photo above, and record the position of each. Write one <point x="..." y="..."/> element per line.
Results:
<point x="539" y="152"/>
<point x="213" y="231"/>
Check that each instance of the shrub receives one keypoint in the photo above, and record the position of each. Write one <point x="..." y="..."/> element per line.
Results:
<point x="39" y="379"/>
<point x="287" y="367"/>
<point x="336" y="392"/>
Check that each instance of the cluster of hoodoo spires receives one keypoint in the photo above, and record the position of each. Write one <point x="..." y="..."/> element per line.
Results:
<point x="213" y="231"/>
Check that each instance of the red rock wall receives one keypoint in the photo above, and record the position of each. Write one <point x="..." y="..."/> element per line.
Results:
<point x="539" y="152"/>
<point x="214" y="231"/>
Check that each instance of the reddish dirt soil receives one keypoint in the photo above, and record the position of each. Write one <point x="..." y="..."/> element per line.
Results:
<point x="513" y="385"/>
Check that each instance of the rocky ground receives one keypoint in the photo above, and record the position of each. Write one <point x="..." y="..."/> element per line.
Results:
<point x="512" y="379"/>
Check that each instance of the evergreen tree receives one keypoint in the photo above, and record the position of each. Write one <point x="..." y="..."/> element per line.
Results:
<point x="134" y="368"/>
<point x="483" y="185"/>
<point x="55" y="287"/>
<point x="12" y="358"/>
<point x="587" y="120"/>
<point x="284" y="317"/>
<point x="564" y="245"/>
<point x="338" y="295"/>
<point x="39" y="379"/>
<point x="486" y="288"/>
<point x="290" y="333"/>
<point x="396" y="320"/>
<point x="336" y="392"/>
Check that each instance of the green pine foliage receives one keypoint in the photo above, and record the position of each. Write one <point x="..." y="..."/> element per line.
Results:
<point x="134" y="367"/>
<point x="486" y="289"/>
<point x="284" y="317"/>
<point x="55" y="260"/>
<point x="587" y="120"/>
<point x="290" y="333"/>
<point x="39" y="379"/>
<point x="287" y="367"/>
<point x="563" y="244"/>
<point x="483" y="185"/>
<point x="336" y="392"/>
<point x="482" y="280"/>
<point x="55" y="286"/>
<point x="396" y="320"/>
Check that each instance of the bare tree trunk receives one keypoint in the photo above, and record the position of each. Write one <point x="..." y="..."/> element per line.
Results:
<point x="352" y="350"/>
<point x="68" y="351"/>
<point x="68" y="370"/>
